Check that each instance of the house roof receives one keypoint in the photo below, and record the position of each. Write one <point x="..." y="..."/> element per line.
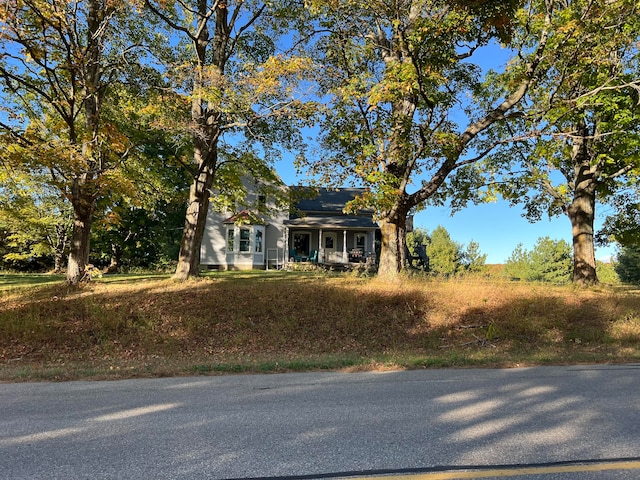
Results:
<point x="323" y="208"/>
<point x="246" y="217"/>
<point x="326" y="200"/>
<point x="333" y="221"/>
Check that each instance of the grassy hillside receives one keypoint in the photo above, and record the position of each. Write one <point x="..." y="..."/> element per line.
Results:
<point x="276" y="321"/>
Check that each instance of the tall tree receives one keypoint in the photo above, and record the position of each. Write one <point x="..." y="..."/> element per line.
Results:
<point x="58" y="61"/>
<point x="241" y="95"/>
<point x="399" y="79"/>
<point x="577" y="139"/>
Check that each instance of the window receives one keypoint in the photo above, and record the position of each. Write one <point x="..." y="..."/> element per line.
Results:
<point x="361" y="239"/>
<point x="258" y="247"/>
<point x="230" y="239"/>
<point x="301" y="243"/>
<point x="245" y="240"/>
<point x="328" y="242"/>
<point x="262" y="202"/>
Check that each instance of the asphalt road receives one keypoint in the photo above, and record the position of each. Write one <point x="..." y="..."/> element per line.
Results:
<point x="426" y="422"/>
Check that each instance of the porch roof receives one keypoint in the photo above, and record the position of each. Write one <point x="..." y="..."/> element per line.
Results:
<point x="344" y="222"/>
<point x="246" y="217"/>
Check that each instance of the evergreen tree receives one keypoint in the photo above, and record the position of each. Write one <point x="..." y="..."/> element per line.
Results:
<point x="518" y="264"/>
<point x="628" y="266"/>
<point x="472" y="259"/>
<point x="445" y="256"/>
<point x="549" y="261"/>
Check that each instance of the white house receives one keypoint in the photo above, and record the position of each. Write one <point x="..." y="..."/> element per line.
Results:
<point x="314" y="229"/>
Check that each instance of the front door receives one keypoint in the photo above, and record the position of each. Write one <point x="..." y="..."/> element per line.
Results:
<point x="330" y="242"/>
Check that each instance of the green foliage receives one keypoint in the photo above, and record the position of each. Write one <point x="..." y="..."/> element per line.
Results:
<point x="138" y="222"/>
<point x="138" y="238"/>
<point x="473" y="260"/>
<point x="517" y="265"/>
<point x="623" y="226"/>
<point x="628" y="265"/>
<point x="549" y="261"/>
<point x="35" y="219"/>
<point x="576" y="140"/>
<point x="607" y="272"/>
<point x="446" y="257"/>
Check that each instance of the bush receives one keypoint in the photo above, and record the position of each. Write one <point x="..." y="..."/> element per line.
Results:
<point x="445" y="257"/>
<point x="549" y="261"/>
<point x="607" y="272"/>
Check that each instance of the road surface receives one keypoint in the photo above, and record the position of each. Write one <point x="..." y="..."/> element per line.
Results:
<point x="566" y="422"/>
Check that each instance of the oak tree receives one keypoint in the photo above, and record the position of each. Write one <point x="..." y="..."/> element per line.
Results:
<point x="398" y="78"/>
<point x="242" y="100"/>
<point x="576" y="140"/>
<point x="58" y="63"/>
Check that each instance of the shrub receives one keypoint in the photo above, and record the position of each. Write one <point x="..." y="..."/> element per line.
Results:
<point x="549" y="261"/>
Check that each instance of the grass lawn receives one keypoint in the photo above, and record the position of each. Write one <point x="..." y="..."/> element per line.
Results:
<point x="148" y="325"/>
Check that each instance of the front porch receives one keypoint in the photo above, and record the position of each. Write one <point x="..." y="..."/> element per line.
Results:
<point x="329" y="246"/>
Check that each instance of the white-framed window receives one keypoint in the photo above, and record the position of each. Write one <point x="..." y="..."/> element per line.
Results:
<point x="258" y="241"/>
<point x="231" y="236"/>
<point x="361" y="241"/>
<point x="245" y="239"/>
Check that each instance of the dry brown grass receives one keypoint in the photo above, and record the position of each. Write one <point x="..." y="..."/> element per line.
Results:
<point x="267" y="322"/>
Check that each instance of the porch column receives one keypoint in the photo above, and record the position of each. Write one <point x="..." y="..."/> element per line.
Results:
<point x="320" y="248"/>
<point x="345" y="258"/>
<point x="285" y="254"/>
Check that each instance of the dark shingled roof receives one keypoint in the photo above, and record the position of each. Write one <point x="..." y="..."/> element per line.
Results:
<point x="322" y="208"/>
<point x="326" y="200"/>
<point x="333" y="221"/>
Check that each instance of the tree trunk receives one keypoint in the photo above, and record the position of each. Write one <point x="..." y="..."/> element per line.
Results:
<point x="399" y="163"/>
<point x="581" y="212"/>
<point x="206" y="121"/>
<point x="59" y="247"/>
<point x="83" y="194"/>
<point x="196" y="217"/>
<point x="393" y="258"/>
<point x="83" y="204"/>
<point x="114" y="262"/>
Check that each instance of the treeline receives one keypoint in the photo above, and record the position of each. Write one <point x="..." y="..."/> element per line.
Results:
<point x="548" y="261"/>
<point x="122" y="122"/>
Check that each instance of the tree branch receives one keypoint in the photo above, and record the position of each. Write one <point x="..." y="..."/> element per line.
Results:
<point x="157" y="11"/>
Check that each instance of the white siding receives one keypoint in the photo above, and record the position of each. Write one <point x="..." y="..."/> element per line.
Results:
<point x="214" y="242"/>
<point x="213" y="252"/>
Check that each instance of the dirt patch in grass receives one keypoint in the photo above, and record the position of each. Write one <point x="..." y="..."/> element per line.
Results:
<point x="283" y="322"/>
